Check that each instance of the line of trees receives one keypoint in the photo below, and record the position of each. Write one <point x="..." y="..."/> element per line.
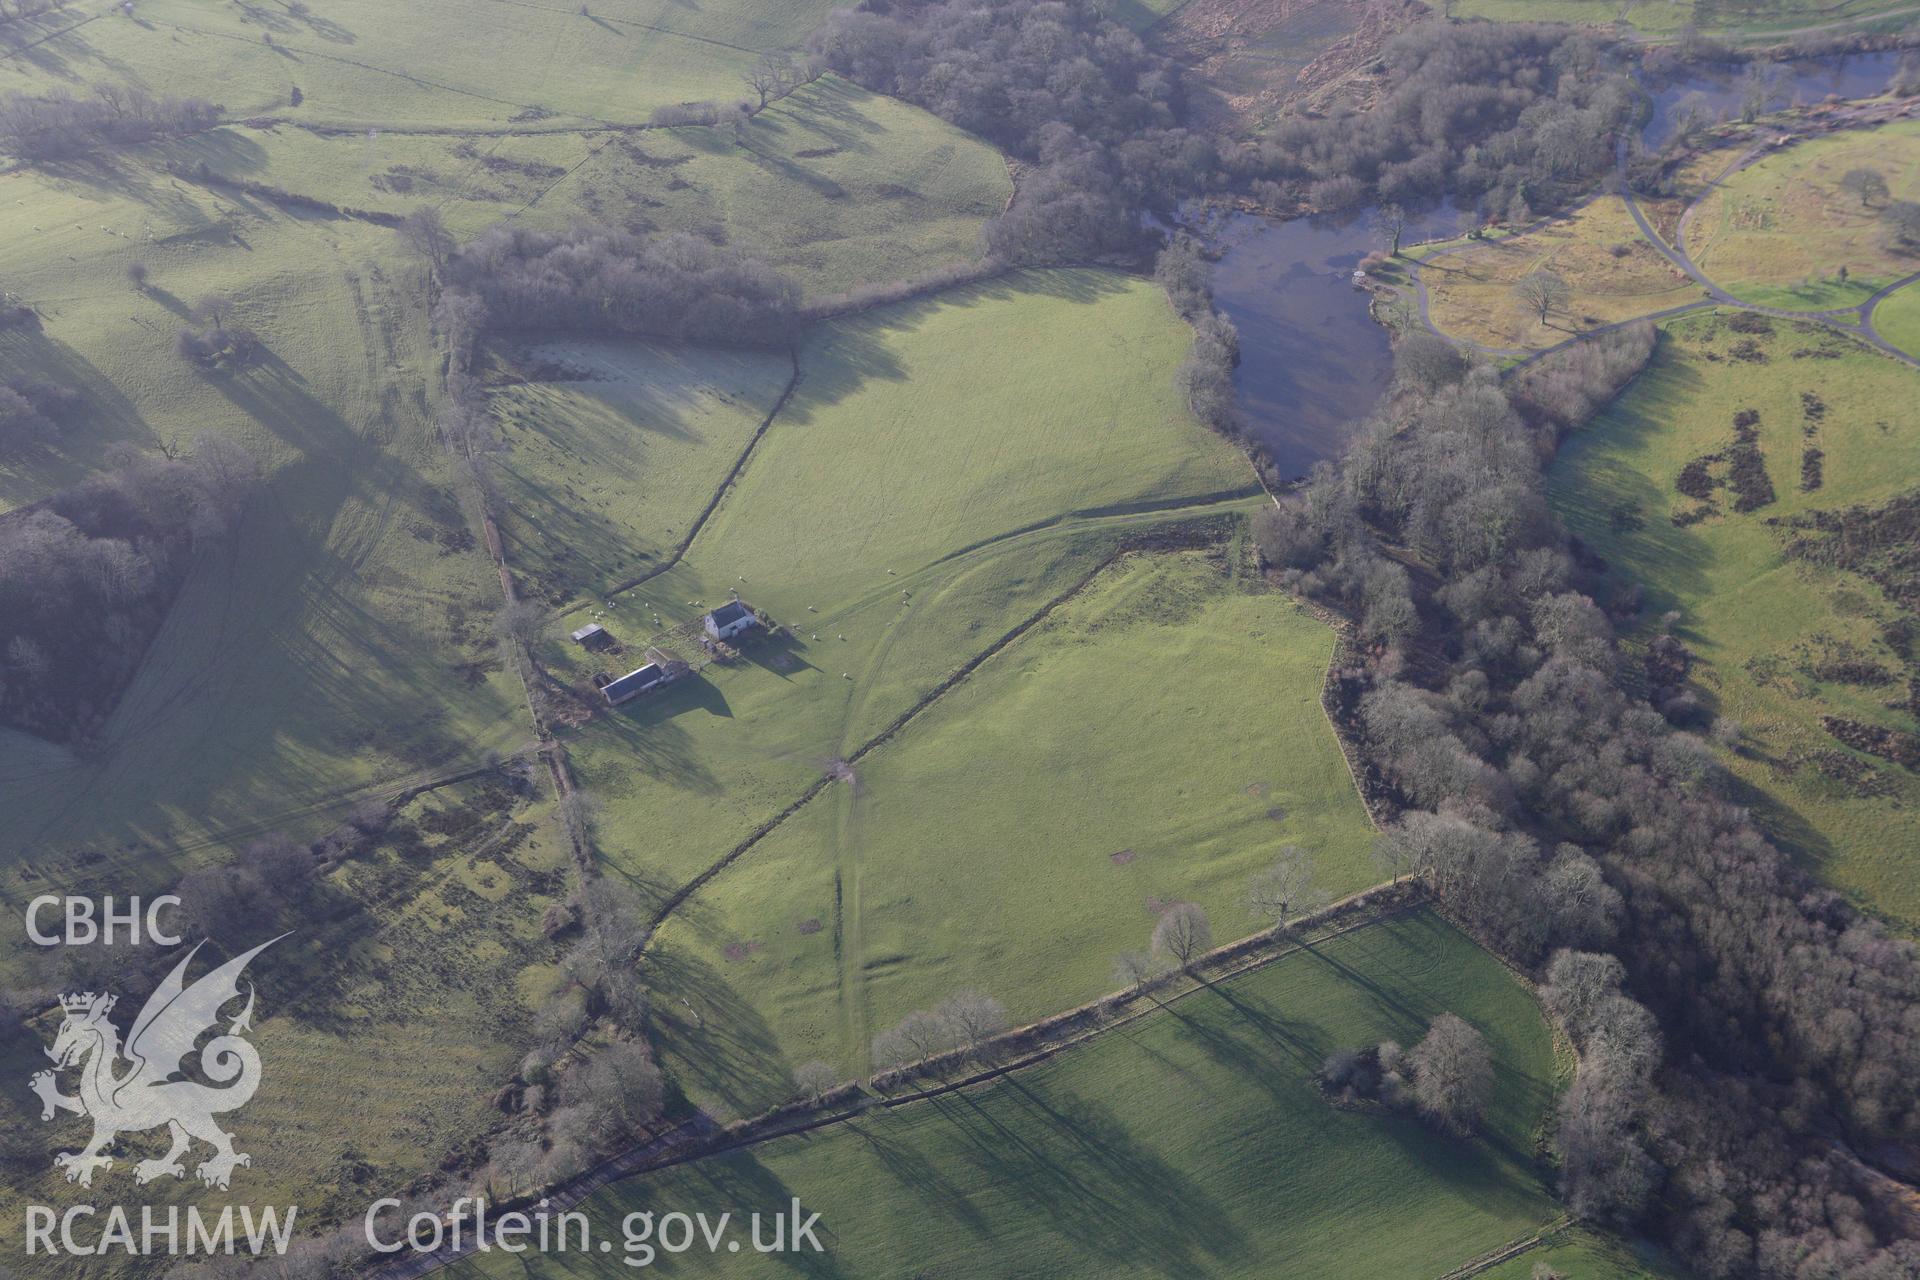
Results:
<point x="1743" y="1029"/>
<point x="59" y="125"/>
<point x="961" y="1025"/>
<point x="597" y="279"/>
<point x="87" y="576"/>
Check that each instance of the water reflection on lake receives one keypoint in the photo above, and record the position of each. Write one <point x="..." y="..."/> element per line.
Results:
<point x="1312" y="360"/>
<point x="1801" y="81"/>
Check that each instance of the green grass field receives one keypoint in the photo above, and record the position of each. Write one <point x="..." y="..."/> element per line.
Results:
<point x="1898" y="319"/>
<point x="340" y="639"/>
<point x="428" y="63"/>
<point x="901" y="514"/>
<point x="605" y="473"/>
<point x="1780" y="231"/>
<point x="1193" y="1142"/>
<point x="1759" y="624"/>
<point x="1158" y="739"/>
<point x="834" y="184"/>
<point x="1585" y="1255"/>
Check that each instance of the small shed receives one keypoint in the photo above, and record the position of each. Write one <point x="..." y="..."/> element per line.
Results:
<point x="729" y="620"/>
<point x="635" y="683"/>
<point x="593" y="636"/>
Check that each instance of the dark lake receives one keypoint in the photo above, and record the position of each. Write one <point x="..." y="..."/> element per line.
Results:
<point x="1312" y="360"/>
<point x="1802" y="81"/>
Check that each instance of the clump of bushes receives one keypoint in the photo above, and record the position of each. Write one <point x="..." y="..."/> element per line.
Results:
<point x="1447" y="1077"/>
<point x="213" y="340"/>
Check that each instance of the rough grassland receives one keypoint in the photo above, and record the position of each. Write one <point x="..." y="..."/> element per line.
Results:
<point x="1898" y="319"/>
<point x="1193" y="1143"/>
<point x="834" y="184"/>
<point x="340" y="638"/>
<point x="438" y="63"/>
<point x="1158" y="739"/>
<point x="1779" y="231"/>
<point x="1759" y="624"/>
<point x="414" y="960"/>
<point x="1614" y="275"/>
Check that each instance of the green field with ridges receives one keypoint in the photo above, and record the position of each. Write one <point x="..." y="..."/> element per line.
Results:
<point x="1157" y="739"/>
<point x="834" y="184"/>
<point x="426" y="63"/>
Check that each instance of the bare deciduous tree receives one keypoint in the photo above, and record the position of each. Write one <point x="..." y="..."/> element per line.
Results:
<point x="1285" y="889"/>
<point x="1543" y="292"/>
<point x="1452" y="1073"/>
<point x="1182" y="934"/>
<point x="771" y="76"/>
<point x="621" y="1082"/>
<point x="1903" y="218"/>
<point x="522" y="622"/>
<point x="1132" y="968"/>
<point x="972" y="1020"/>
<point x="1390" y="223"/>
<point x="811" y="1080"/>
<point x="1866" y="185"/>
<point x="424" y="233"/>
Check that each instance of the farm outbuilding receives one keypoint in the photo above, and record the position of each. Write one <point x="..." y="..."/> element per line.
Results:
<point x="729" y="620"/>
<point x="635" y="683"/>
<point x="593" y="636"/>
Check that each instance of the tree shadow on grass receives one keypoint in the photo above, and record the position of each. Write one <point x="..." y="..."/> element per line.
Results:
<point x="719" y="1045"/>
<point x="32" y="469"/>
<point x="910" y="1166"/>
<point x="1090" y="1178"/>
<point x="742" y="1183"/>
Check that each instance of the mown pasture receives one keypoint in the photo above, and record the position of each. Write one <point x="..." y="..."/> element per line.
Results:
<point x="1898" y="319"/>
<point x="1780" y="643"/>
<point x="607" y="465"/>
<point x="1783" y="232"/>
<point x="1193" y="1141"/>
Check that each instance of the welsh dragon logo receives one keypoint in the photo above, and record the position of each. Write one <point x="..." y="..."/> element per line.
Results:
<point x="150" y="1093"/>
